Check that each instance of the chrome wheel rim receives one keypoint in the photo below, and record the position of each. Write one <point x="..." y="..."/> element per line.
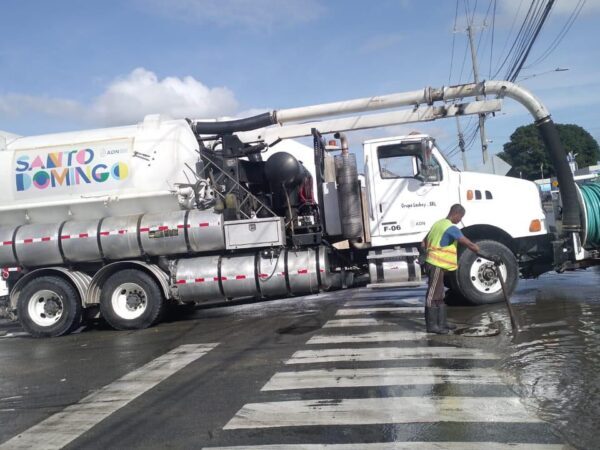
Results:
<point x="45" y="308"/>
<point x="129" y="301"/>
<point x="484" y="276"/>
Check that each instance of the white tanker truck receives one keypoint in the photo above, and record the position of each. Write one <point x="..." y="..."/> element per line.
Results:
<point x="121" y="221"/>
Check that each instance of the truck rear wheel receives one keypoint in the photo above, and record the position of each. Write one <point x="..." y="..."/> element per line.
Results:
<point x="131" y="300"/>
<point x="49" y="307"/>
<point x="476" y="281"/>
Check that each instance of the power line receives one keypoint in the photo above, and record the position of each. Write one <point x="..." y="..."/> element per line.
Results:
<point x="547" y="9"/>
<point x="516" y="41"/>
<point x="562" y="33"/>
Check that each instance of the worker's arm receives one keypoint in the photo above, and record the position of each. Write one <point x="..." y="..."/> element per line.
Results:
<point x="469" y="244"/>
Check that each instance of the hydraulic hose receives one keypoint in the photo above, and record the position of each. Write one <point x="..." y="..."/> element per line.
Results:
<point x="591" y="197"/>
<point x="233" y="126"/>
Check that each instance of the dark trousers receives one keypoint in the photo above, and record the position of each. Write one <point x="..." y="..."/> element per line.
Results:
<point x="435" y="289"/>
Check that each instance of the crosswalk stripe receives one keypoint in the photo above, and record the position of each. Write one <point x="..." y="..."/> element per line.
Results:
<point x="386" y="354"/>
<point x="399" y="446"/>
<point x="380" y="376"/>
<point x="376" y="336"/>
<point x="409" y="301"/>
<point x="63" y="427"/>
<point x="367" y="311"/>
<point x="362" y="322"/>
<point x="366" y="411"/>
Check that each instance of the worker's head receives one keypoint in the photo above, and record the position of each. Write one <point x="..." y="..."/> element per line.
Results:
<point x="457" y="212"/>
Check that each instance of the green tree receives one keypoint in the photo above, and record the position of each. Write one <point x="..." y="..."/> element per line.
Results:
<point x="526" y="153"/>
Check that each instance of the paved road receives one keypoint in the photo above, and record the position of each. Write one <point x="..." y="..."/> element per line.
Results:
<point x="351" y="368"/>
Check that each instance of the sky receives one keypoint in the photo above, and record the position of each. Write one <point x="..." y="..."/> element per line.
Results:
<point x="70" y="65"/>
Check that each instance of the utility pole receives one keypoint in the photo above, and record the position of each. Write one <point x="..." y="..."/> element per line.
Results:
<point x="484" y="143"/>
<point x="461" y="144"/>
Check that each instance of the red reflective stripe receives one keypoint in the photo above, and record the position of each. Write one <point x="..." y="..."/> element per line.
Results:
<point x="104" y="233"/>
<point x="27" y="241"/>
<point x="46" y="239"/>
<point x="163" y="228"/>
<point x="180" y="226"/>
<point x="302" y="271"/>
<point x="263" y="275"/>
<point x="203" y="224"/>
<point x="144" y="230"/>
<point x="181" y="281"/>
<point x="7" y="243"/>
<point x="65" y="236"/>
<point x="122" y="231"/>
<point x="322" y="270"/>
<point x="199" y="280"/>
<point x="282" y="274"/>
<point x="240" y="277"/>
<point x="84" y="235"/>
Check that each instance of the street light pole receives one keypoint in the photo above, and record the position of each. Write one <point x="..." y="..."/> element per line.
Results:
<point x="484" y="142"/>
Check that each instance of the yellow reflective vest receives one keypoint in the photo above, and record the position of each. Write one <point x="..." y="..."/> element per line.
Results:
<point x="443" y="257"/>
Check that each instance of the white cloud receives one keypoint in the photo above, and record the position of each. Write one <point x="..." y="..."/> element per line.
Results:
<point x="127" y="100"/>
<point x="246" y="13"/>
<point x="141" y="92"/>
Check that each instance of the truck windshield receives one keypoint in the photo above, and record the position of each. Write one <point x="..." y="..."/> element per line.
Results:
<point x="403" y="161"/>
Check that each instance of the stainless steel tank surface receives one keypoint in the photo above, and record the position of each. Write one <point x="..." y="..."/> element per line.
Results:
<point x="302" y="272"/>
<point x="79" y="241"/>
<point x="163" y="233"/>
<point x="197" y="279"/>
<point x="7" y="255"/>
<point x="238" y="276"/>
<point x="38" y="245"/>
<point x="118" y="237"/>
<point x="261" y="273"/>
<point x="272" y="274"/>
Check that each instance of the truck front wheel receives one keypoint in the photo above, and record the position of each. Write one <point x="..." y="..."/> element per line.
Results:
<point x="131" y="300"/>
<point x="476" y="280"/>
<point x="49" y="307"/>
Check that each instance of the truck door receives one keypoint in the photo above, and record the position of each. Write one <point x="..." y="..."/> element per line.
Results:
<point x="411" y="188"/>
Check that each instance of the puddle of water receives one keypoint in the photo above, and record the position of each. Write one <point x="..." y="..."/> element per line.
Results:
<point x="556" y="358"/>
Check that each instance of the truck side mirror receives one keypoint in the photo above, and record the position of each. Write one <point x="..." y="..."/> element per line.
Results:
<point x="429" y="172"/>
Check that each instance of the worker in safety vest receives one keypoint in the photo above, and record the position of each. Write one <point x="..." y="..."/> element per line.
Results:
<point x="441" y="245"/>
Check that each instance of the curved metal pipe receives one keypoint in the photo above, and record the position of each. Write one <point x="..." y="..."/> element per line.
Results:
<point x="344" y="141"/>
<point x="571" y="211"/>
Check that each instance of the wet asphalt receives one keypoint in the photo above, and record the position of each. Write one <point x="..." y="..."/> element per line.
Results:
<point x="216" y="400"/>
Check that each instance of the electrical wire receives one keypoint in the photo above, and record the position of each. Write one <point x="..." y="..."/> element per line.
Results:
<point x="562" y="33"/>
<point x="544" y="15"/>
<point x="591" y="197"/>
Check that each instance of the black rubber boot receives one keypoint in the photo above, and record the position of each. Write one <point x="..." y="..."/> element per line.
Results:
<point x="443" y="319"/>
<point x="432" y="319"/>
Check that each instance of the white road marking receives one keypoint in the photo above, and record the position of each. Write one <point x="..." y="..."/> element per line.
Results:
<point x="365" y="411"/>
<point x="386" y="354"/>
<point x="394" y="301"/>
<point x="380" y="376"/>
<point x="379" y="336"/>
<point x="362" y="322"/>
<point x="367" y="311"/>
<point x="15" y="334"/>
<point x="400" y="446"/>
<point x="63" y="427"/>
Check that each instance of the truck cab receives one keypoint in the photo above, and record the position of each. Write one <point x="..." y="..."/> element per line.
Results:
<point x="410" y="185"/>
